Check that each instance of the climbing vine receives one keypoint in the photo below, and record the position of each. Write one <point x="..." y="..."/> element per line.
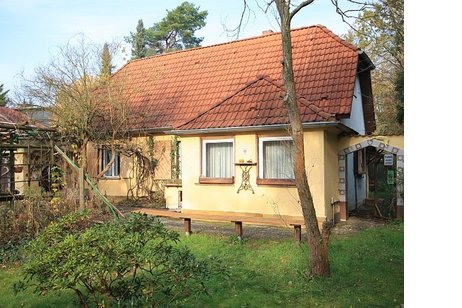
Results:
<point x="175" y="158"/>
<point x="144" y="172"/>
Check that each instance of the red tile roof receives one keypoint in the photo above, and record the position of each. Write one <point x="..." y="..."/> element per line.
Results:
<point x="11" y="116"/>
<point x="258" y="103"/>
<point x="172" y="89"/>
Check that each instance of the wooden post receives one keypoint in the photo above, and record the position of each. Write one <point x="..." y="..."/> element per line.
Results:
<point x="343" y="210"/>
<point x="297" y="233"/>
<point x="187" y="226"/>
<point x="238" y="229"/>
<point x="12" y="187"/>
<point x="400" y="212"/>
<point x="28" y="166"/>
<point x="81" y="189"/>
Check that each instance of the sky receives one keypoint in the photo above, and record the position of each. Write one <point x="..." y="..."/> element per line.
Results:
<point x="31" y="30"/>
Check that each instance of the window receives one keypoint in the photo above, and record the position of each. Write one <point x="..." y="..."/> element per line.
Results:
<point x="276" y="159"/>
<point x="114" y="169"/>
<point x="218" y="159"/>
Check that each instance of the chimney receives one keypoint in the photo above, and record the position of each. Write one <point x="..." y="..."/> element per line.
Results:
<point x="266" y="32"/>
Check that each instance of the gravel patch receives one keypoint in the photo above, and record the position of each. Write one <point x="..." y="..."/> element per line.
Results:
<point x="250" y="231"/>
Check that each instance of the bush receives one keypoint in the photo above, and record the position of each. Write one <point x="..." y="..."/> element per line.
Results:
<point x="133" y="261"/>
<point x="26" y="219"/>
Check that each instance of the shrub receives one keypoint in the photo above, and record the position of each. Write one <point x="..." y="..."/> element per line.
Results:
<point x="134" y="261"/>
<point x="26" y="219"/>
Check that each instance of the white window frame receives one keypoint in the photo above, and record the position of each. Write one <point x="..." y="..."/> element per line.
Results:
<point x="261" y="163"/>
<point x="204" y="154"/>
<point x="114" y="169"/>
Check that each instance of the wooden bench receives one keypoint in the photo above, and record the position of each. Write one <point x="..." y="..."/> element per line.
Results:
<point x="238" y="220"/>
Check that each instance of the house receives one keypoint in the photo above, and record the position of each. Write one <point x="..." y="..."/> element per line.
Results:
<point x="217" y="114"/>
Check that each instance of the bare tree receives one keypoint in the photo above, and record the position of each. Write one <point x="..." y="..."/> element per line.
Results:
<point x="317" y="239"/>
<point x="86" y="105"/>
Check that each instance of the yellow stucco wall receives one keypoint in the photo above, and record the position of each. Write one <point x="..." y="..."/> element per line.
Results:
<point x="330" y="171"/>
<point x="121" y="185"/>
<point x="268" y="199"/>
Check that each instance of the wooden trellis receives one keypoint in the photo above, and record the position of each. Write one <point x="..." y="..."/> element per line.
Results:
<point x="26" y="158"/>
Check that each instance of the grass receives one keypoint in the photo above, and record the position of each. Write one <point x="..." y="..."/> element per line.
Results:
<point x="10" y="275"/>
<point x="367" y="271"/>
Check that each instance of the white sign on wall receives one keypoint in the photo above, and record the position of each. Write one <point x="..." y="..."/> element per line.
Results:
<point x="388" y="159"/>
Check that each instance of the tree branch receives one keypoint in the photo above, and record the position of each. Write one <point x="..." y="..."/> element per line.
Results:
<point x="299" y="7"/>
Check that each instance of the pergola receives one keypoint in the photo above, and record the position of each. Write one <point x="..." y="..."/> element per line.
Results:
<point x="26" y="158"/>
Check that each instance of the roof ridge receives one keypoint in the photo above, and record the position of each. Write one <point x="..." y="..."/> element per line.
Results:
<point x="338" y="38"/>
<point x="246" y="85"/>
<point x="215" y="45"/>
<point x="316" y="109"/>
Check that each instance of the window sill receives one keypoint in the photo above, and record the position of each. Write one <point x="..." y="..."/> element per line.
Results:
<point x="203" y="180"/>
<point x="110" y="177"/>
<point x="279" y="182"/>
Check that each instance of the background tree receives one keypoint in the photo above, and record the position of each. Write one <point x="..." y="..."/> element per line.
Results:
<point x="3" y="96"/>
<point x="138" y="41"/>
<point x="106" y="62"/>
<point x="379" y="31"/>
<point x="175" y="31"/>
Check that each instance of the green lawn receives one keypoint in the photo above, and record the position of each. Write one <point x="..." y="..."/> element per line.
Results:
<point x="367" y="271"/>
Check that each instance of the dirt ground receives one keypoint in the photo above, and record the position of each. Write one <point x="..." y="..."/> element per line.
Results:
<point x="351" y="226"/>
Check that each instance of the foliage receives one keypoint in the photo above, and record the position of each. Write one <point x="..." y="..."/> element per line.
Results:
<point x="175" y="157"/>
<point x="133" y="261"/>
<point x="3" y="96"/>
<point x="138" y="41"/>
<point x="379" y="30"/>
<point x="26" y="219"/>
<point x="176" y="31"/>
<point x="106" y="62"/>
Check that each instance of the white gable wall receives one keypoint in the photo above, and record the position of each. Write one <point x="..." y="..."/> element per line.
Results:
<point x="356" y="119"/>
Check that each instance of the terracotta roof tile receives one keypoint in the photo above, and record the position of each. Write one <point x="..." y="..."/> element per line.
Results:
<point x="11" y="116"/>
<point x="257" y="103"/>
<point x="171" y="89"/>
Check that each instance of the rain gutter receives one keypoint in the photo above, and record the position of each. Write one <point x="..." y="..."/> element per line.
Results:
<point x="275" y="127"/>
<point x="144" y="131"/>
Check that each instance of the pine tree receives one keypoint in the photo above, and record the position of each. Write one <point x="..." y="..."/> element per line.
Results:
<point x="176" y="30"/>
<point x="138" y="41"/>
<point x="106" y="62"/>
<point x="3" y="96"/>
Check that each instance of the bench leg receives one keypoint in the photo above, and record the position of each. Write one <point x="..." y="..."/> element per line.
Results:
<point x="298" y="233"/>
<point x="238" y="229"/>
<point x="187" y="226"/>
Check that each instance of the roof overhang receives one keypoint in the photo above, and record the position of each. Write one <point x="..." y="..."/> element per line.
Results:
<point x="148" y="131"/>
<point x="275" y="127"/>
<point x="366" y="62"/>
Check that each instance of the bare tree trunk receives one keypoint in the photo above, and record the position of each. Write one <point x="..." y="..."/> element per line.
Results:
<point x="317" y="242"/>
